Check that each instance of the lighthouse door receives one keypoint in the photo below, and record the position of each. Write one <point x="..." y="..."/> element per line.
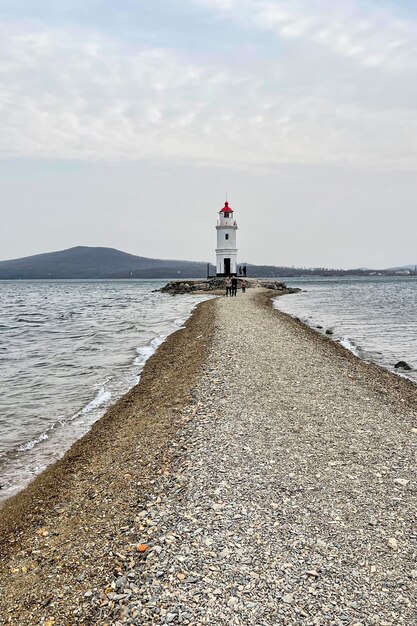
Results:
<point x="227" y="267"/>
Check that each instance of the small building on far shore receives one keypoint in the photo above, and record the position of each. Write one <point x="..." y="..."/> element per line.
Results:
<point x="226" y="251"/>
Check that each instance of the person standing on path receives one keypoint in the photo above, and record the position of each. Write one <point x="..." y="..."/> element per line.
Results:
<point x="234" y="286"/>
<point x="229" y="288"/>
<point x="243" y="285"/>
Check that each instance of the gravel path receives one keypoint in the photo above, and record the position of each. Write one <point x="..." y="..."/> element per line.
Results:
<point x="291" y="496"/>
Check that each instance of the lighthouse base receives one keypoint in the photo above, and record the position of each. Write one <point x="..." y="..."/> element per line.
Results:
<point x="223" y="275"/>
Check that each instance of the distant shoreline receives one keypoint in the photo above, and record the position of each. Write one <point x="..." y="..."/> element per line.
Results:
<point x="262" y="276"/>
<point x="99" y="263"/>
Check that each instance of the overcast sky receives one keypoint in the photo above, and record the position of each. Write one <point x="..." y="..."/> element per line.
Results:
<point x="123" y="123"/>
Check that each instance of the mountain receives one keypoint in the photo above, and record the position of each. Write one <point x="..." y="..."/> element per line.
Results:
<point x="87" y="262"/>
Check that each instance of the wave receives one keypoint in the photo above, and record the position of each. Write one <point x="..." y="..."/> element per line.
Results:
<point x="349" y="345"/>
<point x="31" y="444"/>
<point x="102" y="397"/>
<point x="145" y="352"/>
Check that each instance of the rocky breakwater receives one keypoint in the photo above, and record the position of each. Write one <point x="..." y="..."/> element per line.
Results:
<point x="277" y="285"/>
<point x="186" y="286"/>
<point x="216" y="285"/>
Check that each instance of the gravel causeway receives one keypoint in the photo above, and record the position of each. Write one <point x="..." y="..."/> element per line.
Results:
<point x="290" y="495"/>
<point x="259" y="475"/>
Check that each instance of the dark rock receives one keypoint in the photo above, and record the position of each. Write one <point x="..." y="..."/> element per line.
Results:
<point x="319" y="327"/>
<point x="329" y="332"/>
<point x="403" y="365"/>
<point x="276" y="285"/>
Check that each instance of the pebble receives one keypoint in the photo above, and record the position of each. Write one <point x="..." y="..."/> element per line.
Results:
<point x="287" y="598"/>
<point x="401" y="481"/>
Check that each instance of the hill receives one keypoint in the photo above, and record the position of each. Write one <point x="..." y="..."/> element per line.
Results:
<point x="412" y="268"/>
<point x="87" y="262"/>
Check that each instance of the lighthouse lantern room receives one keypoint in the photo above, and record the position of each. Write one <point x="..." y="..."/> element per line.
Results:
<point x="226" y="251"/>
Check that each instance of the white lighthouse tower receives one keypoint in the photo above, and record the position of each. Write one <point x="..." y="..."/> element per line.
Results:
<point x="226" y="251"/>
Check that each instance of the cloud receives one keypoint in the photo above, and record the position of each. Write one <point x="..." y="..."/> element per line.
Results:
<point x="78" y="93"/>
<point x="371" y="36"/>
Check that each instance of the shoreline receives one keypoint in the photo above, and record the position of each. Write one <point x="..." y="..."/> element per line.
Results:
<point x="75" y="513"/>
<point x="361" y="333"/>
<point x="78" y="521"/>
<point x="57" y="437"/>
<point x="403" y="385"/>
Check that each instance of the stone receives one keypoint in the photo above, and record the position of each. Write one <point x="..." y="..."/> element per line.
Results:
<point x="329" y="332"/>
<point x="312" y="572"/>
<point x="393" y="543"/>
<point x="403" y="365"/>
<point x="401" y="481"/>
<point x="121" y="582"/>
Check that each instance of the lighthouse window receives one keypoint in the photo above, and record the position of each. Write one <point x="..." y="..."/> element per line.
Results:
<point x="227" y="236"/>
<point x="226" y="214"/>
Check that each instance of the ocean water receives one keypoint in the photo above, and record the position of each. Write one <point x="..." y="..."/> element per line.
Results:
<point x="373" y="317"/>
<point x="69" y="349"/>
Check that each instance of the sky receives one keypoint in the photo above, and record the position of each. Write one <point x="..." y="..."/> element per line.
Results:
<point x="124" y="123"/>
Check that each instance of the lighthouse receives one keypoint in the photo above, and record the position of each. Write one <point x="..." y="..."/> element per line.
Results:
<point x="226" y="251"/>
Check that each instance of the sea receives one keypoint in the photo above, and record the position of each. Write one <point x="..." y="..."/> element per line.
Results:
<point x="69" y="349"/>
<point x="375" y="317"/>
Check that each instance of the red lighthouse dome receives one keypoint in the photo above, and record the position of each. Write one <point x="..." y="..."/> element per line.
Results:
<point x="226" y="208"/>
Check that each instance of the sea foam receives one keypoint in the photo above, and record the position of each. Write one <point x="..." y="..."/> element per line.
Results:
<point x="347" y="343"/>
